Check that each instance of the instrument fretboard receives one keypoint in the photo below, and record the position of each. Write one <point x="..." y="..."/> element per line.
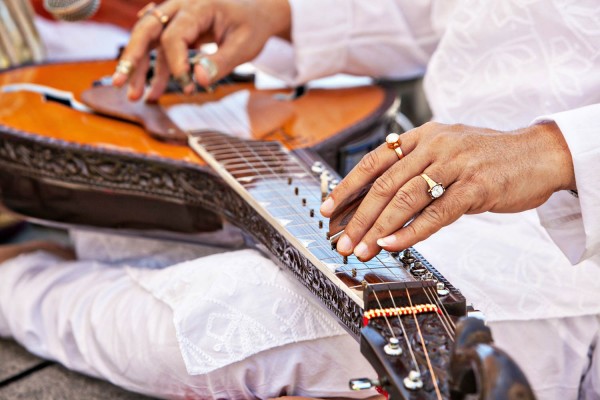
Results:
<point x="284" y="190"/>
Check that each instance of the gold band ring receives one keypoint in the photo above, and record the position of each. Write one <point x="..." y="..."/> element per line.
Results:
<point x="124" y="67"/>
<point x="393" y="142"/>
<point x="150" y="9"/>
<point x="436" y="189"/>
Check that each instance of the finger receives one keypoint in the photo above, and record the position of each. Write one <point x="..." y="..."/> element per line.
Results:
<point x="236" y="49"/>
<point x="137" y="81"/>
<point x="160" y="79"/>
<point x="144" y="37"/>
<point x="383" y="191"/>
<point x="366" y="171"/>
<point x="441" y="212"/>
<point x="404" y="205"/>
<point x="180" y="35"/>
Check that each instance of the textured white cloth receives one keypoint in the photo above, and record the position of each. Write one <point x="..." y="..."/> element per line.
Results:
<point x="499" y="65"/>
<point x="94" y="317"/>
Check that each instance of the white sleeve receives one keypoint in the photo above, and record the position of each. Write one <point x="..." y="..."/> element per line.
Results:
<point x="574" y="222"/>
<point x="392" y="39"/>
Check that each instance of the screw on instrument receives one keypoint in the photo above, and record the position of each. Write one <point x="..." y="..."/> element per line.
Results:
<point x="317" y="167"/>
<point x="363" y="384"/>
<point x="333" y="184"/>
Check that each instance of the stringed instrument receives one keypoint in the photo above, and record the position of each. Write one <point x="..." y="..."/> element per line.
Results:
<point x="63" y="165"/>
<point x="59" y="164"/>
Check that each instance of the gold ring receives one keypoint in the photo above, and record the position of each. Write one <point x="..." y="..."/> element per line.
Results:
<point x="436" y="189"/>
<point x="393" y="142"/>
<point x="124" y="67"/>
<point x="151" y="9"/>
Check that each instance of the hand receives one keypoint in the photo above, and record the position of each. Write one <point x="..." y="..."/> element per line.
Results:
<point x="239" y="27"/>
<point x="481" y="169"/>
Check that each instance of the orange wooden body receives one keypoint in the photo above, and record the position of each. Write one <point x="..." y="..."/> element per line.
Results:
<point x="304" y="122"/>
<point x="69" y="167"/>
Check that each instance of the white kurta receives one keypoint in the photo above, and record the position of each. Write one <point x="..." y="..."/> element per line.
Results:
<point x="499" y="65"/>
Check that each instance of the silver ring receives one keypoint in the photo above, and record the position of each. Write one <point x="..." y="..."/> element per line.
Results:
<point x="208" y="65"/>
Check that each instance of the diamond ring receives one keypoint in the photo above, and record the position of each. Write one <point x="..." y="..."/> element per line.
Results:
<point x="436" y="189"/>
<point x="393" y="142"/>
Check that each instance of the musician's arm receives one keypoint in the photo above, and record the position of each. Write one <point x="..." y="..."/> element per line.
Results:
<point x="392" y="39"/>
<point x="573" y="222"/>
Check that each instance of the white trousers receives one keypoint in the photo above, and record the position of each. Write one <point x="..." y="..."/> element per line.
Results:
<point x="97" y="320"/>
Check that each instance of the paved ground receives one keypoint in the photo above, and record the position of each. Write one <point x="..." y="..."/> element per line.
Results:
<point x="25" y="376"/>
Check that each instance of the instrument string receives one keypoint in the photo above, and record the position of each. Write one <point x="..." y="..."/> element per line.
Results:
<point x="406" y="338"/>
<point x="429" y="366"/>
<point x="441" y="305"/>
<point x="387" y="321"/>
<point x="441" y="317"/>
<point x="278" y="190"/>
<point x="252" y="159"/>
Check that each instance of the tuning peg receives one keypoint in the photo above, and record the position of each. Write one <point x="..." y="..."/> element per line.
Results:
<point x="441" y="289"/>
<point x="393" y="347"/>
<point x="363" y="384"/>
<point x="413" y="381"/>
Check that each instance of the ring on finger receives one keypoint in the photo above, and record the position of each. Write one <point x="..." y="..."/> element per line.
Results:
<point x="393" y="142"/>
<point x="436" y="189"/>
<point x="151" y="9"/>
<point x="208" y="65"/>
<point x="184" y="80"/>
<point x="124" y="67"/>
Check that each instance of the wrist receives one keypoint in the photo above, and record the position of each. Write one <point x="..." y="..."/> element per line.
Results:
<point x="279" y="17"/>
<point x="554" y="154"/>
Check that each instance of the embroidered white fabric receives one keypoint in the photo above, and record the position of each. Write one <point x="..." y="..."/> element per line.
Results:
<point x="227" y="307"/>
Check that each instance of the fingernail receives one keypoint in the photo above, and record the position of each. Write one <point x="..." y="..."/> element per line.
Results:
<point x="327" y="207"/>
<point x="387" y="241"/>
<point x="344" y="245"/>
<point x="360" y="251"/>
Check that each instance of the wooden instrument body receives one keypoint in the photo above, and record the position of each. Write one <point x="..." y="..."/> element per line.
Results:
<point x="68" y="167"/>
